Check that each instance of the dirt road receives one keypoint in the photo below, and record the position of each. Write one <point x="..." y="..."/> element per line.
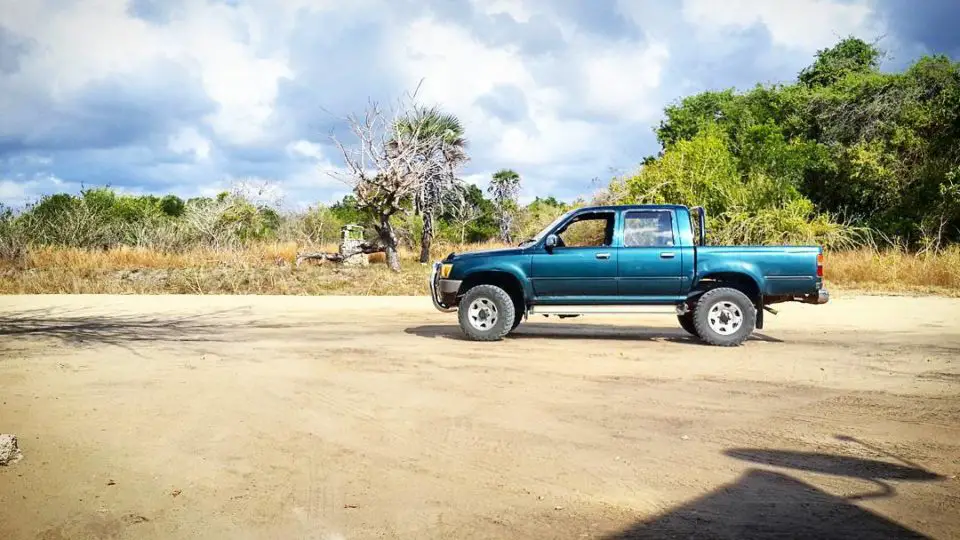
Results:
<point x="323" y="418"/>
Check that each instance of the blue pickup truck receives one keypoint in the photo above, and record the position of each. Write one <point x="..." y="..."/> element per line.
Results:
<point x="625" y="259"/>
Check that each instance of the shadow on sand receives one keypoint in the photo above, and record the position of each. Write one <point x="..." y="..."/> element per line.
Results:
<point x="766" y="504"/>
<point x="78" y="329"/>
<point x="554" y="331"/>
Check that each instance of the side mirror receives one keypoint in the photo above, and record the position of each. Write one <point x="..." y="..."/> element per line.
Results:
<point x="551" y="241"/>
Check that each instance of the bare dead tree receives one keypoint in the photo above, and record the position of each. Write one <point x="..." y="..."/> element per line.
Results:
<point x="205" y="220"/>
<point x="387" y="167"/>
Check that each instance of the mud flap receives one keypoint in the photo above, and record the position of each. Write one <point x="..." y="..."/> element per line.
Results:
<point x="759" y="306"/>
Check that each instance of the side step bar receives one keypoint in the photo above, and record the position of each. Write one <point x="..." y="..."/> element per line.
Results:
<point x="600" y="310"/>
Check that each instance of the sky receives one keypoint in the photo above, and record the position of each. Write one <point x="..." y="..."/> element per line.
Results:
<point x="194" y="96"/>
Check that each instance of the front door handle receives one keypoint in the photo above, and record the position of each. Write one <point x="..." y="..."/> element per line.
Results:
<point x="667" y="254"/>
<point x="603" y="255"/>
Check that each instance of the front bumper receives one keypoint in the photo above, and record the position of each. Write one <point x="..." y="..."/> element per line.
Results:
<point x="443" y="292"/>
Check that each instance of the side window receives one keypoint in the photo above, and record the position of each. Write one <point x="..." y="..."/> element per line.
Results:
<point x="648" y="228"/>
<point x="588" y="230"/>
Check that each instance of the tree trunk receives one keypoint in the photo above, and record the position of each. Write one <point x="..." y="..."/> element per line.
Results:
<point x="389" y="240"/>
<point x="505" y="230"/>
<point x="426" y="239"/>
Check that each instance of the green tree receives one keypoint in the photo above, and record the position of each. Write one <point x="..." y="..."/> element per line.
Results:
<point x="540" y="213"/>
<point x="850" y="56"/>
<point x="172" y="205"/>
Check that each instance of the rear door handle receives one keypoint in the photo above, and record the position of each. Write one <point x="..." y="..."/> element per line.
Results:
<point x="667" y="254"/>
<point x="603" y="255"/>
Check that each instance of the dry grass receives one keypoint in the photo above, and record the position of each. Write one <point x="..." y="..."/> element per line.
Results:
<point x="268" y="269"/>
<point x="258" y="269"/>
<point x="895" y="270"/>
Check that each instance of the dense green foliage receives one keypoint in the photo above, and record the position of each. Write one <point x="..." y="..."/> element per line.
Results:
<point x="755" y="207"/>
<point x="845" y="142"/>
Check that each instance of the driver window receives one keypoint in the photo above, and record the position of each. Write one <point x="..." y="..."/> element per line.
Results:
<point x="588" y="230"/>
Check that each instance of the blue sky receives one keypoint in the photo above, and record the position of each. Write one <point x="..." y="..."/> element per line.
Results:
<point x="193" y="96"/>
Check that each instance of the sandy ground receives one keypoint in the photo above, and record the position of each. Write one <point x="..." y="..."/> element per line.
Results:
<point x="324" y="417"/>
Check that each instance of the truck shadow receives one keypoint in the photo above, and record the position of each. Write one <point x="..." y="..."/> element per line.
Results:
<point x="579" y="332"/>
<point x="765" y="504"/>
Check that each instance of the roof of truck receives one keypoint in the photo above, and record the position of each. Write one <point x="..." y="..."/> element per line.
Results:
<point x="636" y="207"/>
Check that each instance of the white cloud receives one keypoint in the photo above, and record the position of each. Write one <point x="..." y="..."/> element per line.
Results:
<point x="188" y="141"/>
<point x="517" y="9"/>
<point x="12" y="191"/>
<point x="19" y="190"/>
<point x="305" y="148"/>
<point x="618" y="81"/>
<point x="317" y="173"/>
<point x="622" y="75"/>
<point x="93" y="39"/>
<point x="806" y="25"/>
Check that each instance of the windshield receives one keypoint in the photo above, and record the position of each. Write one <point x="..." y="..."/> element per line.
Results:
<point x="547" y="229"/>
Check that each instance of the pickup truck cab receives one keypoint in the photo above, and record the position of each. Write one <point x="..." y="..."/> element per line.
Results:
<point x="623" y="259"/>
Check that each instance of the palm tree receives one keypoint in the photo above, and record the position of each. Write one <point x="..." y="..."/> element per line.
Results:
<point x="505" y="186"/>
<point x="446" y="131"/>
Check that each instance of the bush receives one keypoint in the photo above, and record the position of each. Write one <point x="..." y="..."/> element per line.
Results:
<point x="14" y="238"/>
<point x="317" y="226"/>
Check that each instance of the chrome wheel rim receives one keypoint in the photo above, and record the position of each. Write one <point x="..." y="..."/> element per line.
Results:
<point x="725" y="318"/>
<point x="482" y="314"/>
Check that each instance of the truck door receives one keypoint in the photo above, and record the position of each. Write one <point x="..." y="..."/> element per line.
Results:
<point x="584" y="261"/>
<point x="649" y="261"/>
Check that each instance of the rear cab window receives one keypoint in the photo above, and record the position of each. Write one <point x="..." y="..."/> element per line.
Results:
<point x="648" y="228"/>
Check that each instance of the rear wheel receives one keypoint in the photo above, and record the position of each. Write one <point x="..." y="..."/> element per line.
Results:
<point x="486" y="313"/>
<point x="724" y="317"/>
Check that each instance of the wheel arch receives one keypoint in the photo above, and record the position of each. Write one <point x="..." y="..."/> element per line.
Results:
<point x="742" y="281"/>
<point x="507" y="281"/>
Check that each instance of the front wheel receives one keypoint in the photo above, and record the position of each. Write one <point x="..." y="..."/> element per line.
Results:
<point x="686" y="322"/>
<point x="518" y="318"/>
<point x="724" y="317"/>
<point x="486" y="313"/>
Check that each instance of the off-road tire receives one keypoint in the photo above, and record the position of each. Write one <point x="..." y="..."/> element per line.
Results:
<point x="506" y="314"/>
<point x="701" y="317"/>
<point x="686" y="322"/>
<point x="517" y="319"/>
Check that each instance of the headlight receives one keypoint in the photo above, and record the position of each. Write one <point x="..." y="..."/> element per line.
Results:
<point x="445" y="270"/>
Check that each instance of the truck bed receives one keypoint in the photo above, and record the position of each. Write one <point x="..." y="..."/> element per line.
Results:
<point x="780" y="270"/>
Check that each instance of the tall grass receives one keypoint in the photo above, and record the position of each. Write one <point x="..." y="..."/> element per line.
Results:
<point x="895" y="270"/>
